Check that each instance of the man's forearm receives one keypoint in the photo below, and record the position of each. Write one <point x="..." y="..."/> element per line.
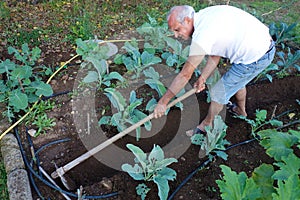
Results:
<point x="179" y="82"/>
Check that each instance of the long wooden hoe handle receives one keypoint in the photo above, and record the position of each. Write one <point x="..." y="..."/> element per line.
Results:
<point x="62" y="170"/>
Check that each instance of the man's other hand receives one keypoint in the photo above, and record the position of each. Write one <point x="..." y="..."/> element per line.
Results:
<point x="159" y="110"/>
<point x="199" y="84"/>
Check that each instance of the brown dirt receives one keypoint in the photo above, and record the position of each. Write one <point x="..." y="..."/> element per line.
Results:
<point x="278" y="97"/>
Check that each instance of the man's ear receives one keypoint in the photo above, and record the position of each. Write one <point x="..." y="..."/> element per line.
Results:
<point x="188" y="20"/>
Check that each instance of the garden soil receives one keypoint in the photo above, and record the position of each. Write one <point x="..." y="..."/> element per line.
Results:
<point x="97" y="179"/>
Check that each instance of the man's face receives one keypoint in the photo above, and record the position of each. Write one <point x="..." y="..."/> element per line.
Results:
<point x="182" y="30"/>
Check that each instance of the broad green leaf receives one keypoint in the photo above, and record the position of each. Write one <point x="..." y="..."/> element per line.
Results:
<point x="165" y="162"/>
<point x="151" y="105"/>
<point x="135" y="172"/>
<point x="163" y="187"/>
<point x="172" y="60"/>
<point x="113" y="75"/>
<point x="18" y="100"/>
<point x="116" y="98"/>
<point x="100" y="65"/>
<point x="261" y="115"/>
<point x="222" y="154"/>
<point x="139" y="154"/>
<point x="288" y="189"/>
<point x="262" y="177"/>
<point x="289" y="167"/>
<point x="232" y="186"/>
<point x="156" y="85"/>
<point x="277" y="144"/>
<point x="140" y="115"/>
<point x="42" y="88"/>
<point x="156" y="154"/>
<point x="92" y="76"/>
<point x="149" y="59"/>
<point x="22" y="72"/>
<point x="168" y="173"/>
<point x="174" y="44"/>
<point x="151" y="73"/>
<point x="275" y="122"/>
<point x="7" y="66"/>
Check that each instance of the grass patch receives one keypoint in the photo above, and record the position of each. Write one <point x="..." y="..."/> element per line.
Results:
<point x="3" y="186"/>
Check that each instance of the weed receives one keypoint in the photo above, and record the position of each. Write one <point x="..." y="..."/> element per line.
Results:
<point x="38" y="117"/>
<point x="3" y="188"/>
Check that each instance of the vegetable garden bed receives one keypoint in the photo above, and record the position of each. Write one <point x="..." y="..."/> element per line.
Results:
<point x="100" y="93"/>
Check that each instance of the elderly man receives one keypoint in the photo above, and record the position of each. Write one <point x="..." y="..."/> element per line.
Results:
<point x="219" y="31"/>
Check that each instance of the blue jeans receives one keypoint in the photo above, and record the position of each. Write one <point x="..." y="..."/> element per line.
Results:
<point x="238" y="76"/>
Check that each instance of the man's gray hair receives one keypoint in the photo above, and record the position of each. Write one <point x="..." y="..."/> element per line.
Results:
<point x="182" y="12"/>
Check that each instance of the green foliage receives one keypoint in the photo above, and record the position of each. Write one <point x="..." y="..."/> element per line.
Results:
<point x="287" y="61"/>
<point x="154" y="168"/>
<point x="265" y="73"/>
<point x="39" y="118"/>
<point x="81" y="27"/>
<point x="94" y="56"/>
<point x="4" y="11"/>
<point x="277" y="144"/>
<point x="128" y="113"/>
<point x="260" y="121"/>
<point x="154" y="33"/>
<point x="282" y="32"/>
<point x="134" y="61"/>
<point x="177" y="55"/>
<point x="142" y="190"/>
<point x="3" y="179"/>
<point x="237" y="186"/>
<point x="214" y="141"/>
<point x="22" y="85"/>
<point x="267" y="182"/>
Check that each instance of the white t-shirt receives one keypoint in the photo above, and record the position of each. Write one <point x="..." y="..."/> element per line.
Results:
<point x="231" y="33"/>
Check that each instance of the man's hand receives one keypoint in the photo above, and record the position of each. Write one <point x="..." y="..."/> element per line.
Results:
<point x="160" y="110"/>
<point x="199" y="84"/>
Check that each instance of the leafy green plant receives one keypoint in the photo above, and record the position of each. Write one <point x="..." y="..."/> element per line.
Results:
<point x="39" y="118"/>
<point x="267" y="181"/>
<point x="3" y="179"/>
<point x="152" y="80"/>
<point x="4" y="11"/>
<point x="20" y="85"/>
<point x="266" y="72"/>
<point x="282" y="32"/>
<point x="154" y="168"/>
<point x="134" y="61"/>
<point x="177" y="55"/>
<point x="128" y="113"/>
<point x="95" y="58"/>
<point x="214" y="141"/>
<point x="154" y="34"/>
<point x="287" y="61"/>
<point x="260" y="121"/>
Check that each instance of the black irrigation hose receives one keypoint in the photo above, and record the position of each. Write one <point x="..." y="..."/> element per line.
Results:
<point x="56" y="94"/>
<point x="202" y="165"/>
<point x="45" y="181"/>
